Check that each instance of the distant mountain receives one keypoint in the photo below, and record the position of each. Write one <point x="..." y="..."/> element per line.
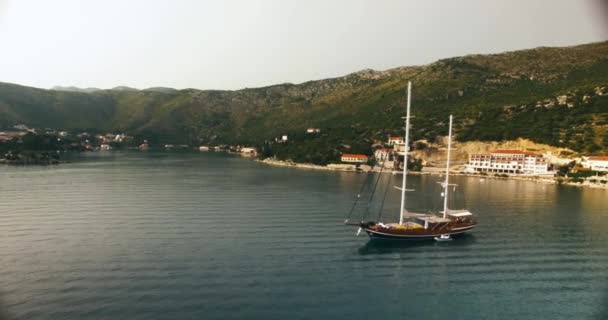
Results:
<point x="557" y="96"/>
<point x="75" y="89"/>
<point x="124" y="88"/>
<point x="161" y="89"/>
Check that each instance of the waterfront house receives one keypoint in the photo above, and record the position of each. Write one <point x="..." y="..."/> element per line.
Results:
<point x="203" y="148"/>
<point x="354" y="158"/>
<point x="120" y="137"/>
<point x="382" y="154"/>
<point x="395" y="141"/>
<point x="399" y="149"/>
<point x="596" y="163"/>
<point x="110" y="136"/>
<point x="313" y="130"/>
<point x="384" y="157"/>
<point x="248" y="151"/>
<point x="509" y="162"/>
<point x="144" y="146"/>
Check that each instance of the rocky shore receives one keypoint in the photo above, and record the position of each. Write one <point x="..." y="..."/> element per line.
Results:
<point x="329" y="167"/>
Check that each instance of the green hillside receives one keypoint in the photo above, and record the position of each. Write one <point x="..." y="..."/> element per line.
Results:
<point x="557" y="96"/>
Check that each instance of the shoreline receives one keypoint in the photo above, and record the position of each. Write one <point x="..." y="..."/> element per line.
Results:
<point x="351" y="168"/>
<point x="280" y="163"/>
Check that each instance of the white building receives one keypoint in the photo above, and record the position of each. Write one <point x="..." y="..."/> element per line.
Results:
<point x="284" y="138"/>
<point x="395" y="141"/>
<point x="354" y="158"/>
<point x="144" y="146"/>
<point x="248" y="151"/>
<point x="119" y="138"/>
<point x="596" y="163"/>
<point x="399" y="149"/>
<point x="383" y="157"/>
<point x="313" y="130"/>
<point x="510" y="162"/>
<point x="382" y="154"/>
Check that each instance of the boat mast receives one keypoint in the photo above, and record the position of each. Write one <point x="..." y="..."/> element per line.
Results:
<point x="447" y="173"/>
<point x="405" y="150"/>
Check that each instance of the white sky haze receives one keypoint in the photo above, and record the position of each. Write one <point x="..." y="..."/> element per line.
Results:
<point x="230" y="44"/>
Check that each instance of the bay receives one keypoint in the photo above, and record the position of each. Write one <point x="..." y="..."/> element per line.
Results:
<point x="130" y="235"/>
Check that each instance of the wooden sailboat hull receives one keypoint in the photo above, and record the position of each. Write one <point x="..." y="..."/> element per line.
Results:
<point x="411" y="235"/>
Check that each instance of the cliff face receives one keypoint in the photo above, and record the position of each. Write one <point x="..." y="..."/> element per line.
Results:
<point x="551" y="95"/>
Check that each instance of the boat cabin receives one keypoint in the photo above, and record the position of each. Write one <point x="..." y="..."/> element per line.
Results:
<point x="461" y="216"/>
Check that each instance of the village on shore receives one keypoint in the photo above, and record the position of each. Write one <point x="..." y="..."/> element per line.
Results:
<point x="22" y="145"/>
<point x="582" y="170"/>
<point x="387" y="156"/>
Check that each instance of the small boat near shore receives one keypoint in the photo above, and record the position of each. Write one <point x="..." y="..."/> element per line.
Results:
<point x="421" y="226"/>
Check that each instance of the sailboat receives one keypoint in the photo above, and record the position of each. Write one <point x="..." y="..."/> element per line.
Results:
<point x="421" y="226"/>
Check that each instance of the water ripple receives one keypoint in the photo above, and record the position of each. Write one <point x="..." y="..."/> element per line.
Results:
<point x="192" y="236"/>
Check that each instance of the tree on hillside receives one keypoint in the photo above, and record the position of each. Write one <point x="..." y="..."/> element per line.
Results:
<point x="589" y="140"/>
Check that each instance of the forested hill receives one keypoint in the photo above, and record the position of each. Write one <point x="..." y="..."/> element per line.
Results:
<point x="557" y="96"/>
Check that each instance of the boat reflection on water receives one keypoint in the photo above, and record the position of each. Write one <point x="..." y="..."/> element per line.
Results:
<point x="387" y="246"/>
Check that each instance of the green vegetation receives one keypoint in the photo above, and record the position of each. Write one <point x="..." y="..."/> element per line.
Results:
<point x="31" y="149"/>
<point x="586" y="174"/>
<point x="557" y="96"/>
<point x="414" y="164"/>
<point x="562" y="171"/>
<point x="31" y="142"/>
<point x="31" y="158"/>
<point x="320" y="148"/>
<point x="577" y="180"/>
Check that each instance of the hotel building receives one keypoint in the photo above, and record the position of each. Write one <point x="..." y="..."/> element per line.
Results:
<point x="509" y="162"/>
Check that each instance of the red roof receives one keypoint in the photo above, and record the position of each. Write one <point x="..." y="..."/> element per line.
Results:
<point x="515" y="152"/>
<point x="598" y="158"/>
<point x="357" y="156"/>
<point x="395" y="138"/>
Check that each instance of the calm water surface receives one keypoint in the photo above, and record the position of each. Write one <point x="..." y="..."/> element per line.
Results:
<point x="208" y="236"/>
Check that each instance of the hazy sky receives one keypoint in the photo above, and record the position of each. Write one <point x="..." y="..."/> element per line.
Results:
<point x="227" y="44"/>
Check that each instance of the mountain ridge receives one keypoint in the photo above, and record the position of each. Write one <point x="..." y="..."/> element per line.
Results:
<point x="484" y="92"/>
<point x="362" y="71"/>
